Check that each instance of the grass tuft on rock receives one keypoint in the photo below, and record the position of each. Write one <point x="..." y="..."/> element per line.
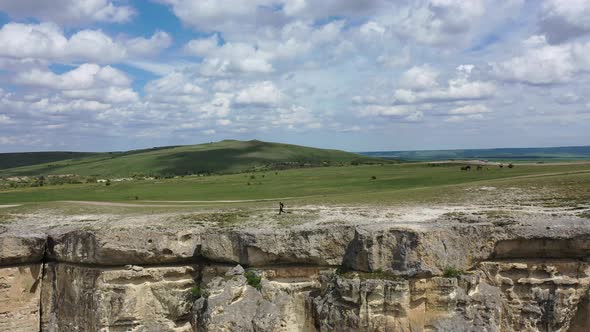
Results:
<point x="196" y="293"/>
<point x="452" y="272"/>
<point x="253" y="279"/>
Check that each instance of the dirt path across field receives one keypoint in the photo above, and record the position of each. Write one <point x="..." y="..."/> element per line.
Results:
<point x="97" y="203"/>
<point x="170" y="203"/>
<point x="228" y="201"/>
<point x="9" y="206"/>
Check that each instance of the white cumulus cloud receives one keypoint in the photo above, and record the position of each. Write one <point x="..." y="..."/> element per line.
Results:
<point x="542" y="63"/>
<point x="260" y="93"/>
<point x="85" y="76"/>
<point x="140" y="46"/>
<point x="561" y="20"/>
<point x="459" y="88"/>
<point x="229" y="58"/>
<point x="419" y="78"/>
<point x="202" y="47"/>
<point x="48" y="41"/>
<point x="88" y="82"/>
<point x="68" y="11"/>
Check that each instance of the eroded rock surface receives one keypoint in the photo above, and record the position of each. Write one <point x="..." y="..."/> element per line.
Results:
<point x="18" y="248"/>
<point x="132" y="298"/>
<point x="20" y="297"/>
<point x="496" y="296"/>
<point x="232" y="304"/>
<point x="524" y="273"/>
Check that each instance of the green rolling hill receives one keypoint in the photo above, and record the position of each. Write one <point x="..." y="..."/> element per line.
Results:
<point x="227" y="156"/>
<point x="19" y="159"/>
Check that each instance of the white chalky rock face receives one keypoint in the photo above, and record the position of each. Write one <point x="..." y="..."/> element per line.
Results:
<point x="232" y="304"/>
<point x="497" y="296"/>
<point x="122" y="299"/>
<point x="542" y="294"/>
<point x="20" y="297"/>
<point x="528" y="273"/>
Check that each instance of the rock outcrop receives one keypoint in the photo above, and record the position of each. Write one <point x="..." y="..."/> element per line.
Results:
<point x="496" y="296"/>
<point x="131" y="298"/>
<point x="529" y="273"/>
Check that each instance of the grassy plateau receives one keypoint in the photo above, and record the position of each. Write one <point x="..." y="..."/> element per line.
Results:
<point x="388" y="183"/>
<point x="235" y="174"/>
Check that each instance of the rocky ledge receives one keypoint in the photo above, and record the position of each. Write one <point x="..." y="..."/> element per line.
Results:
<point x="451" y="272"/>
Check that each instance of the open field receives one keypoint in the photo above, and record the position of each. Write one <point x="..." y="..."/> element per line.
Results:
<point x="379" y="185"/>
<point x="393" y="184"/>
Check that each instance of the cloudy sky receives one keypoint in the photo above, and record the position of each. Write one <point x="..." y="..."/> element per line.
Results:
<point x="100" y="75"/>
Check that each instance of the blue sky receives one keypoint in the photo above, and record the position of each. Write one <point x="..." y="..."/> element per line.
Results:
<point x="100" y="75"/>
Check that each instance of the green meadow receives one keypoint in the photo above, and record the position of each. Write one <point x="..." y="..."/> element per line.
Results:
<point x="387" y="183"/>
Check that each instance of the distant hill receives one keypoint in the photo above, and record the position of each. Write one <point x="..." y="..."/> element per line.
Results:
<point x="11" y="160"/>
<point x="570" y="153"/>
<point x="227" y="156"/>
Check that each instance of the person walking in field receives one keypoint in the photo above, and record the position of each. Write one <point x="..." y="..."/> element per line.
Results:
<point x="281" y="207"/>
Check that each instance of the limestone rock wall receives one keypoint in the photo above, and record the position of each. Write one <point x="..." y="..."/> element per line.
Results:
<point x="496" y="296"/>
<point x="229" y="303"/>
<point x="521" y="276"/>
<point x="132" y="298"/>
